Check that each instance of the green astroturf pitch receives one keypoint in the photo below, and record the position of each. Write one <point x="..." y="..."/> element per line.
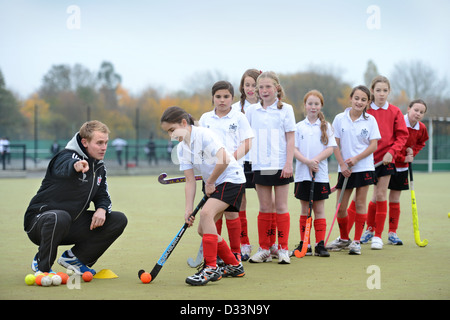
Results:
<point x="155" y="214"/>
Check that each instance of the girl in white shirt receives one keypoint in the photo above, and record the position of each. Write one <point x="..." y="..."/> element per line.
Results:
<point x="272" y="153"/>
<point x="314" y="143"/>
<point x="357" y="135"/>
<point x="232" y="127"/>
<point x="200" y="149"/>
<point x="247" y="88"/>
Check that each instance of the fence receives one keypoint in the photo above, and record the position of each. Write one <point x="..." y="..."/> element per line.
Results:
<point x="434" y="157"/>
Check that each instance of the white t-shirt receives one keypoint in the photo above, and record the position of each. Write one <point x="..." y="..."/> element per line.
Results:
<point x="200" y="155"/>
<point x="355" y="138"/>
<point x="307" y="141"/>
<point x="270" y="126"/>
<point x="232" y="128"/>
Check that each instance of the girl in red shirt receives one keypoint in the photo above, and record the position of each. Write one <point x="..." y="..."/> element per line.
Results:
<point x="418" y="135"/>
<point x="393" y="137"/>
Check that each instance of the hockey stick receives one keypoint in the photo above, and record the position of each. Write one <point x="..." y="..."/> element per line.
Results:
<point x="162" y="180"/>
<point x="195" y="263"/>
<point x="344" y="185"/>
<point x="415" y="216"/>
<point x="172" y="245"/>
<point x="297" y="253"/>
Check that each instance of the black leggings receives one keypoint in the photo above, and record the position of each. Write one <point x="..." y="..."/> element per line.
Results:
<point x="55" y="227"/>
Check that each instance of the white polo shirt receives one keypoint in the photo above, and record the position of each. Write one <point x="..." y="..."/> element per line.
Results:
<point x="270" y="126"/>
<point x="200" y="155"/>
<point x="232" y="128"/>
<point x="307" y="141"/>
<point x="355" y="138"/>
<point x="237" y="106"/>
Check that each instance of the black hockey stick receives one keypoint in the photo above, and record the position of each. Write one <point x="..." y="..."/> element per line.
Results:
<point x="172" y="245"/>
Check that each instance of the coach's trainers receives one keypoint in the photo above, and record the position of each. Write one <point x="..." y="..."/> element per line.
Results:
<point x="204" y="276"/>
<point x="367" y="235"/>
<point x="72" y="263"/>
<point x="263" y="255"/>
<point x="377" y="243"/>
<point x="394" y="239"/>
<point x="35" y="267"/>
<point x="338" y="244"/>
<point x="354" y="248"/>
<point x="283" y="256"/>
<point x="233" y="271"/>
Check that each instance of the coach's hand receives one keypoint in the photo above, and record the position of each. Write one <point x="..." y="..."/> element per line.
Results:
<point x="81" y="166"/>
<point x="98" y="218"/>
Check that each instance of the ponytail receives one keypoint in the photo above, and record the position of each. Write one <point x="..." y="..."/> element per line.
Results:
<point x="323" y="129"/>
<point x="176" y="115"/>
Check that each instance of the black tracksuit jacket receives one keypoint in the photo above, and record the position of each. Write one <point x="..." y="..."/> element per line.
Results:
<point x="65" y="189"/>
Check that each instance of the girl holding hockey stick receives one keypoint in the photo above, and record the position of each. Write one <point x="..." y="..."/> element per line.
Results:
<point x="200" y="149"/>
<point x="314" y="143"/>
<point x="273" y="122"/>
<point x="232" y="127"/>
<point x="356" y="134"/>
<point x="392" y="124"/>
<point x="418" y="135"/>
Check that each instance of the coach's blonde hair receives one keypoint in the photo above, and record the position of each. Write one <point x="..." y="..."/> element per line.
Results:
<point x="88" y="128"/>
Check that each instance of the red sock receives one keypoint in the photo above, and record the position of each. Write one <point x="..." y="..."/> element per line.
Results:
<point x="302" y="224"/>
<point x="343" y="223"/>
<point x="273" y="231"/>
<point x="219" y="226"/>
<point x="380" y="218"/>
<point x="210" y="249"/>
<point x="394" y="216"/>
<point x="264" y="229"/>
<point x="234" y="233"/>
<point x="351" y="212"/>
<point x="244" y="229"/>
<point x="371" y="212"/>
<point x="225" y="253"/>
<point x="283" y="226"/>
<point x="320" y="228"/>
<point x="360" y="220"/>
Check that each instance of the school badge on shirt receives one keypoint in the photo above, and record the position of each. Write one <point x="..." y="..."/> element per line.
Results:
<point x="232" y="128"/>
<point x="99" y="180"/>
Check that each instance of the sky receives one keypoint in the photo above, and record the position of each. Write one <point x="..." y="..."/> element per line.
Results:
<point x="164" y="44"/>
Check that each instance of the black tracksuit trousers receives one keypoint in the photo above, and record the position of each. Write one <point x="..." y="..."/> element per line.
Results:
<point x="52" y="228"/>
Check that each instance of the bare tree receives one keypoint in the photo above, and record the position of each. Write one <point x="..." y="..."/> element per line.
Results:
<point x="418" y="80"/>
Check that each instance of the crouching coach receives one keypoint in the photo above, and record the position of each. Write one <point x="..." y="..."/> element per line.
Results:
<point x="58" y="214"/>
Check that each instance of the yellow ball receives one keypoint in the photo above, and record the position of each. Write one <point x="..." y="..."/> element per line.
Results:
<point x="29" y="279"/>
<point x="449" y="214"/>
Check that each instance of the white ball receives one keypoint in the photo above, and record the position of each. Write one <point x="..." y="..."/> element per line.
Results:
<point x="46" y="281"/>
<point x="56" y="280"/>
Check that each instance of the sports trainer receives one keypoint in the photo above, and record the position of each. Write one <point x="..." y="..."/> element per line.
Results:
<point x="58" y="214"/>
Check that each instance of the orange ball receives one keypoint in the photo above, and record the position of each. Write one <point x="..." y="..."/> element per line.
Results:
<point x="146" y="277"/>
<point x="38" y="279"/>
<point x="64" y="277"/>
<point x="87" y="276"/>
